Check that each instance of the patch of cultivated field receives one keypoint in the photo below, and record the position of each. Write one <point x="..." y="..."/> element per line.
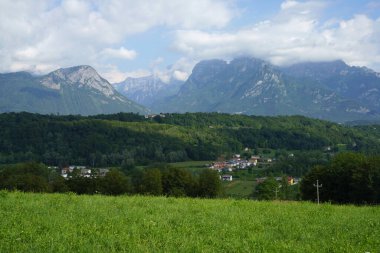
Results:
<point x="70" y="223"/>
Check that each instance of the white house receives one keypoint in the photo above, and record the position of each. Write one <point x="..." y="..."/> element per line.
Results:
<point x="226" y="177"/>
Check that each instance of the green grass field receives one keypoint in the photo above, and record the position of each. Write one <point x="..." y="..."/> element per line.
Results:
<point x="70" y="223"/>
<point x="195" y="167"/>
<point x="239" y="188"/>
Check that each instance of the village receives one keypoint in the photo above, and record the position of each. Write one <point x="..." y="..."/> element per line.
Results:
<point x="80" y="171"/>
<point x="237" y="163"/>
<point x="226" y="169"/>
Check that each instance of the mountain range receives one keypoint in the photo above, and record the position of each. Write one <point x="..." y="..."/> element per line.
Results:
<point x="75" y="90"/>
<point x="325" y="90"/>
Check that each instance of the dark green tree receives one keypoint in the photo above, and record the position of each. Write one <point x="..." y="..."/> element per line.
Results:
<point x="178" y="182"/>
<point x="115" y="183"/>
<point x="84" y="185"/>
<point x="348" y="178"/>
<point x="58" y="184"/>
<point x="27" y="183"/>
<point x="151" y="182"/>
<point x="209" y="185"/>
<point x="267" y="189"/>
<point x="30" y="176"/>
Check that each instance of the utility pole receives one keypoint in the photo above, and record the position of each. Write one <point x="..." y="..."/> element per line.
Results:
<point x="276" y="191"/>
<point x="318" y="186"/>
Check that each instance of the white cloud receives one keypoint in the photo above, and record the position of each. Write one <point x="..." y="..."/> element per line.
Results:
<point x="46" y="35"/>
<point x="180" y="75"/>
<point x="288" y="4"/>
<point x="157" y="62"/>
<point x="39" y="34"/>
<point x="138" y="73"/>
<point x="294" y="35"/>
<point x="180" y="70"/>
<point x="121" y="53"/>
<point x="112" y="74"/>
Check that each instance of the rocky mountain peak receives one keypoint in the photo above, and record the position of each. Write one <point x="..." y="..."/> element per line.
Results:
<point x="318" y="69"/>
<point x="75" y="90"/>
<point x="82" y="76"/>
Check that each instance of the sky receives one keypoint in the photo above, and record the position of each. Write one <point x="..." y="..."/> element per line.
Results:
<point x="129" y="38"/>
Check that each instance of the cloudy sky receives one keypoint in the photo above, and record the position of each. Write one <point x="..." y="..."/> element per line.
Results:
<point x="123" y="38"/>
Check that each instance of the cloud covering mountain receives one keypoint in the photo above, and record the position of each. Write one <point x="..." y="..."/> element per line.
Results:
<point x="122" y="38"/>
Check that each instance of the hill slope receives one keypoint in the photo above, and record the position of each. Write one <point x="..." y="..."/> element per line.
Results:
<point x="76" y="90"/>
<point x="113" y="139"/>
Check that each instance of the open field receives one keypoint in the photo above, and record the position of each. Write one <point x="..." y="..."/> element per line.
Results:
<point x="70" y="223"/>
<point x="195" y="167"/>
<point x="239" y="188"/>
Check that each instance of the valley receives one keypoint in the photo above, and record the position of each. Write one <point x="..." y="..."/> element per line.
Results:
<point x="189" y="126"/>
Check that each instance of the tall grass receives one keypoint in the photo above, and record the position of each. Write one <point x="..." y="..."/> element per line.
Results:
<point x="70" y="223"/>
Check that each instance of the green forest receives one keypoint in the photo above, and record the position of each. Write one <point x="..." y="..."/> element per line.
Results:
<point x="131" y="139"/>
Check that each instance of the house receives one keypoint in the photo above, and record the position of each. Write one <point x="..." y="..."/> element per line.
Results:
<point x="278" y="179"/>
<point x="255" y="157"/>
<point x="291" y="181"/>
<point x="232" y="163"/>
<point x="65" y="172"/>
<point x="265" y="160"/>
<point x="85" y="172"/>
<point x="260" y="180"/>
<point x="226" y="177"/>
<point x="151" y="116"/>
<point x="254" y="160"/>
<point x="103" y="172"/>
<point x="218" y="165"/>
<point x="244" y="164"/>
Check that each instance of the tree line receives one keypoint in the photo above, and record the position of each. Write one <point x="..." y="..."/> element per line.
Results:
<point x="156" y="180"/>
<point x="348" y="178"/>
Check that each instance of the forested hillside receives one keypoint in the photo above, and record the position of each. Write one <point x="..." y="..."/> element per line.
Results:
<point x="126" y="138"/>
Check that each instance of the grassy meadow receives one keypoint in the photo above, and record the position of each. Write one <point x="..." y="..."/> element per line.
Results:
<point x="239" y="188"/>
<point x="70" y="223"/>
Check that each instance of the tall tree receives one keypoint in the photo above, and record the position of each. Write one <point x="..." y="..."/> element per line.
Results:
<point x="267" y="189"/>
<point x="115" y="183"/>
<point x="209" y="184"/>
<point x="152" y="182"/>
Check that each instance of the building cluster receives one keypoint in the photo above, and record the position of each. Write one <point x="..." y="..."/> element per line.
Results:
<point x="290" y="180"/>
<point x="82" y="171"/>
<point x="152" y="116"/>
<point x="236" y="163"/>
